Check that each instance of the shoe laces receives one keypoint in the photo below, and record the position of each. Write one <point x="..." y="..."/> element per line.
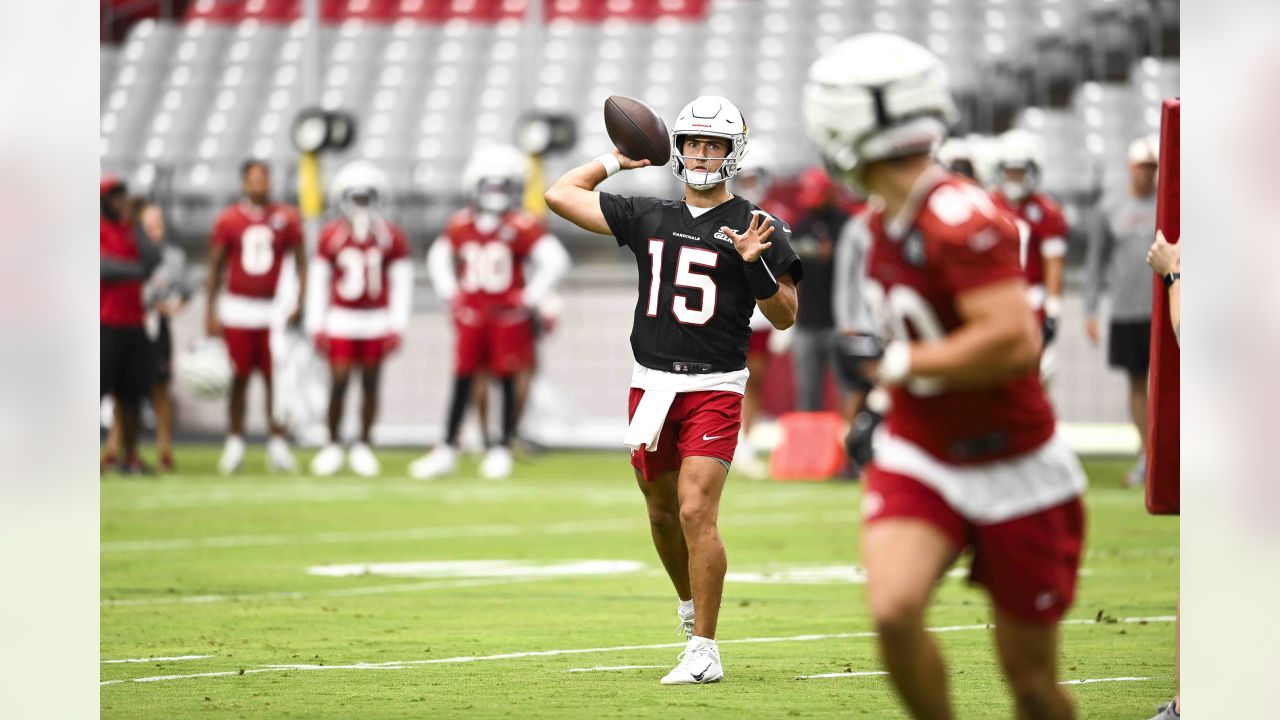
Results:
<point x="685" y="627"/>
<point x="691" y="653"/>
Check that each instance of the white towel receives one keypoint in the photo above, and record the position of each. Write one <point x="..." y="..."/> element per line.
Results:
<point x="646" y="423"/>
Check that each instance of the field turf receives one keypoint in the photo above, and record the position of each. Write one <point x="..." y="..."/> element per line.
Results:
<point x="194" y="564"/>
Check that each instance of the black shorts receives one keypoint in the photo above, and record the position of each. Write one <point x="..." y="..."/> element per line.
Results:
<point x="162" y="353"/>
<point x="1129" y="346"/>
<point x="126" y="364"/>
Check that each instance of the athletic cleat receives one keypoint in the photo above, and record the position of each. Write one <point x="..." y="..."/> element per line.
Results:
<point x="166" y="462"/>
<point x="232" y="455"/>
<point x="135" y="466"/>
<point x="1137" y="476"/>
<point x="699" y="664"/>
<point x="746" y="461"/>
<point x="328" y="461"/>
<point x="362" y="462"/>
<point x="440" y="461"/>
<point x="279" y="457"/>
<point x="1166" y="712"/>
<point x="496" y="464"/>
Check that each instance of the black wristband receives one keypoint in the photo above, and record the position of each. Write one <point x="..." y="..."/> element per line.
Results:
<point x="760" y="279"/>
<point x="1171" y="278"/>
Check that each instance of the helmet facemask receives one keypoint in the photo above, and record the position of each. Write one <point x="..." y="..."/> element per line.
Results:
<point x="1018" y="189"/>
<point x="497" y="195"/>
<point x="681" y="164"/>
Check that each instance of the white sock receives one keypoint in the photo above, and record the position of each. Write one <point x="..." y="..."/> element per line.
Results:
<point x="701" y="641"/>
<point x="686" y="608"/>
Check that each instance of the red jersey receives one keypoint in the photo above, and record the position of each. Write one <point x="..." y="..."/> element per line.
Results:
<point x="256" y="242"/>
<point x="1046" y="231"/>
<point x="360" y="279"/>
<point x="957" y="241"/>
<point x="120" y="301"/>
<point x="490" y="260"/>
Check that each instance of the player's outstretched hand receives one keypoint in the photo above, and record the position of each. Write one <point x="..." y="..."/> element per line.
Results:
<point x="627" y="163"/>
<point x="1164" y="257"/>
<point x="753" y="241"/>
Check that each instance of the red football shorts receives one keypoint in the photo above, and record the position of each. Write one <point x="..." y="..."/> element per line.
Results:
<point x="250" y="349"/>
<point x="698" y="424"/>
<point x="1028" y="564"/>
<point x="345" y="351"/>
<point x="500" y="348"/>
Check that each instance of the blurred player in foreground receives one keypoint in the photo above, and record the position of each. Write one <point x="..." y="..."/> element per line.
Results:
<point x="478" y="265"/>
<point x="1043" y="229"/>
<point x="968" y="455"/>
<point x="705" y="263"/>
<point x="249" y="242"/>
<point x="361" y="291"/>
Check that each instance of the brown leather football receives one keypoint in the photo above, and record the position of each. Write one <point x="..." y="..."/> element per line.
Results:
<point x="637" y="130"/>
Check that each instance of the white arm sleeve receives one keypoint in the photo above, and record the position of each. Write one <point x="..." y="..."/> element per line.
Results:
<point x="1054" y="247"/>
<point x="319" y="274"/>
<point x="846" y="296"/>
<point x="440" y="269"/>
<point x="550" y="263"/>
<point x="400" y="302"/>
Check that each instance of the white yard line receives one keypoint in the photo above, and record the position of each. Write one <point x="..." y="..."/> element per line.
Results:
<point x="585" y="651"/>
<point x="866" y="673"/>
<point x="615" y="668"/>
<point x="1098" y="680"/>
<point x="440" y="533"/>
<point x="297" y="595"/>
<point x="174" y="658"/>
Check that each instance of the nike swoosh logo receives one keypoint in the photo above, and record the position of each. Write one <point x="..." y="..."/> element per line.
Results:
<point x="699" y="676"/>
<point x="714" y="437"/>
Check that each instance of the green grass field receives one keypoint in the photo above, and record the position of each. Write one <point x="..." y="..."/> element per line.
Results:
<point x="195" y="564"/>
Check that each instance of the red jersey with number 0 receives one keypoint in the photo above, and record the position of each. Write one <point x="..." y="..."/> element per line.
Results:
<point x="1044" y="221"/>
<point x="256" y="241"/>
<point x="490" y="258"/>
<point x="957" y="242"/>
<point x="360" y="278"/>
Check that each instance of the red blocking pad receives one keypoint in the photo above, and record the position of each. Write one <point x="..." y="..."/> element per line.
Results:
<point x="1163" y="462"/>
<point x="812" y="446"/>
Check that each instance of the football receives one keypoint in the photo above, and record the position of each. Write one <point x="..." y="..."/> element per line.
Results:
<point x="637" y="130"/>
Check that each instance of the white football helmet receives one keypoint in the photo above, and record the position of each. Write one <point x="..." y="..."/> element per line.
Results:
<point x="359" y="185"/>
<point x="708" y="116"/>
<point x="876" y="96"/>
<point x="1023" y="150"/>
<point x="957" y="156"/>
<point x="494" y="178"/>
<point x="206" y="368"/>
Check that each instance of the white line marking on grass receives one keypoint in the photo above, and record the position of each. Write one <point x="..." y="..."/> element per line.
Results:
<point x="480" y="569"/>
<point x="614" y="668"/>
<point x="1098" y="680"/>
<point x="619" y="648"/>
<point x="297" y="595"/>
<point x="866" y="673"/>
<point x="626" y="524"/>
<point x="155" y="659"/>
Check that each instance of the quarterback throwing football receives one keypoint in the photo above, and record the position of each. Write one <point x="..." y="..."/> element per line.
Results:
<point x="704" y="264"/>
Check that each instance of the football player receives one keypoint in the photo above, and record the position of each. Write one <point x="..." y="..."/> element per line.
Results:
<point x="478" y="265"/>
<point x="1019" y="163"/>
<point x="968" y="455"/>
<point x="358" y="305"/>
<point x="249" y="242"/>
<point x="705" y="263"/>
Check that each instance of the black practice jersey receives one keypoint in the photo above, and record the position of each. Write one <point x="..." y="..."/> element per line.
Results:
<point x="694" y="304"/>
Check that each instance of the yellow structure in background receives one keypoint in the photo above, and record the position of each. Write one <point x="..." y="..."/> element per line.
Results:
<point x="310" y="194"/>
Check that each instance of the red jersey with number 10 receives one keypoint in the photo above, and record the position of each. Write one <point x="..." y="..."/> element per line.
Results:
<point x="957" y="241"/>
<point x="256" y="241"/>
<point x="490" y="256"/>
<point x="360" y="279"/>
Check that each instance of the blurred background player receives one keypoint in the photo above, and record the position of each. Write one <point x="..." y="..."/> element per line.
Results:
<point x="760" y="183"/>
<point x="478" y="265"/>
<point x="1019" y="165"/>
<point x="125" y="261"/>
<point x="957" y="156"/>
<point x="164" y="295"/>
<point x="358" y="302"/>
<point x="968" y="455"/>
<point x="249" y="242"/>
<point x="699" y="282"/>
<point x="1115" y="266"/>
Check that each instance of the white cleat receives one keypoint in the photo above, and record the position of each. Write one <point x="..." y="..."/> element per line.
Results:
<point x="279" y="456"/>
<point x="496" y="464"/>
<point x="362" y="461"/>
<point x="747" y="462"/>
<point x="699" y="664"/>
<point x="328" y="461"/>
<point x="440" y="461"/>
<point x="232" y="455"/>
